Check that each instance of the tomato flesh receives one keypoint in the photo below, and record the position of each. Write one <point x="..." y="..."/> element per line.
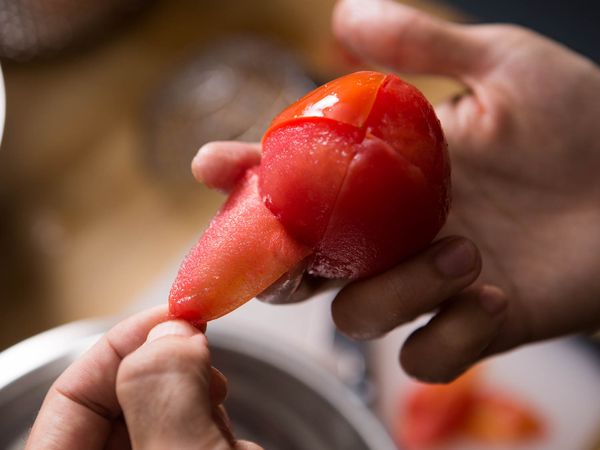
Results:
<point x="498" y="418"/>
<point x="243" y="251"/>
<point x="434" y="415"/>
<point x="402" y="117"/>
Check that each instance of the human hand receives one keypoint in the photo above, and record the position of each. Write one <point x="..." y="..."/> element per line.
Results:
<point x="525" y="152"/>
<point x="147" y="384"/>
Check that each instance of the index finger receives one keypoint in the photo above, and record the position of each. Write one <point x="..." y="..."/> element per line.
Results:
<point x="81" y="405"/>
<point x="369" y="308"/>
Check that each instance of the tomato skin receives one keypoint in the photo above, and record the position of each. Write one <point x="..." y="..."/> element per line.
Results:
<point x="383" y="214"/>
<point x="348" y="100"/>
<point x="402" y="117"/>
<point x="243" y="251"/>
<point x="434" y="415"/>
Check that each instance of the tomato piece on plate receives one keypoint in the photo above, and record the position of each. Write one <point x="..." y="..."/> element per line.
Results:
<point x="498" y="418"/>
<point x="243" y="251"/>
<point x="435" y="414"/>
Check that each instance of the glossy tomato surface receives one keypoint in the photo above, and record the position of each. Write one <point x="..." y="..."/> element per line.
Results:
<point x="348" y="100"/>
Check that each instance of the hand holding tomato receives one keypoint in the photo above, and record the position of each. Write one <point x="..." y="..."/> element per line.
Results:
<point x="525" y="153"/>
<point x="354" y="178"/>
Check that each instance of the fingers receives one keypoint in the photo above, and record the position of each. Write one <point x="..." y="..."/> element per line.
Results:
<point x="245" y="445"/>
<point x="218" y="387"/>
<point x="164" y="392"/>
<point x="457" y="336"/>
<point x="397" y="36"/>
<point x="219" y="165"/>
<point x="81" y="405"/>
<point x="388" y="33"/>
<point x="372" y="307"/>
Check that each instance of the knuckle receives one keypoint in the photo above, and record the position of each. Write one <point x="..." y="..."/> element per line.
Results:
<point x="502" y="33"/>
<point x="501" y="121"/>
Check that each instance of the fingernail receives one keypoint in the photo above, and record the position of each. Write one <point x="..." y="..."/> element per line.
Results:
<point x="201" y="162"/>
<point x="492" y="300"/>
<point x="171" y="328"/>
<point x="456" y="258"/>
<point x="199" y="154"/>
<point x="364" y="9"/>
<point x="365" y="335"/>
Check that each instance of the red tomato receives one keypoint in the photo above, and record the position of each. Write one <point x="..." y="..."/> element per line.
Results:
<point x="355" y="175"/>
<point x="367" y="183"/>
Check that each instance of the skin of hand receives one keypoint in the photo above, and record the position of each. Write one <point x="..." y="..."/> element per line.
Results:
<point x="518" y="258"/>
<point x="146" y="384"/>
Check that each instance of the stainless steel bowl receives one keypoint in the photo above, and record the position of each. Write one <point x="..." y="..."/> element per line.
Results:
<point x="277" y="398"/>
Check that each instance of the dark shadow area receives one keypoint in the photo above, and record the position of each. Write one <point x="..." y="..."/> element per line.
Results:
<point x="24" y="287"/>
<point x="575" y="23"/>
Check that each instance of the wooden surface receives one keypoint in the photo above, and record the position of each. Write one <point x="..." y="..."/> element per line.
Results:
<point x="84" y="226"/>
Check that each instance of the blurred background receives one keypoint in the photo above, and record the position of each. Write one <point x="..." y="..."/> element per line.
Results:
<point x="107" y="102"/>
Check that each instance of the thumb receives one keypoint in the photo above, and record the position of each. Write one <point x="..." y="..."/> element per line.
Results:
<point x="402" y="38"/>
<point x="164" y="389"/>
